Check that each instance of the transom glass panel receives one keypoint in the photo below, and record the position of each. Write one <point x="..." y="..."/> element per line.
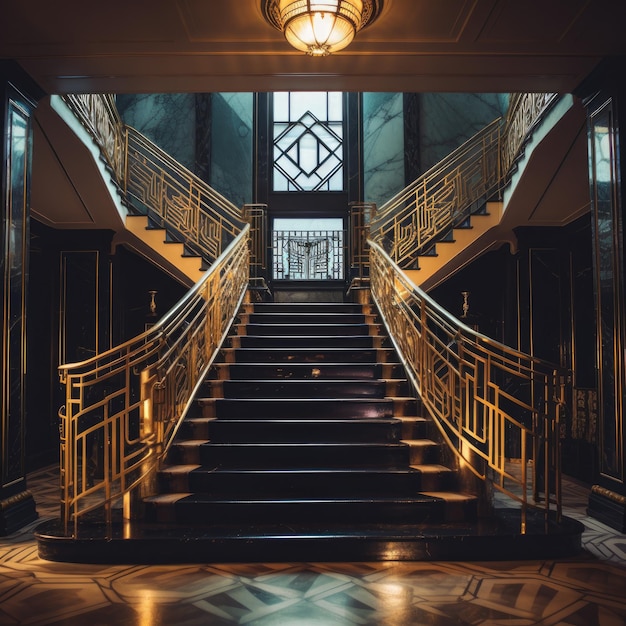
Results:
<point x="308" y="249"/>
<point x="308" y="141"/>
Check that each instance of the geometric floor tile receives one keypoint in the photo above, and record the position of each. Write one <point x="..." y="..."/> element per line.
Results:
<point x="587" y="590"/>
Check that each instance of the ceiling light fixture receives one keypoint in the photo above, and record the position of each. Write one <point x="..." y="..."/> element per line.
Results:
<point x="320" y="27"/>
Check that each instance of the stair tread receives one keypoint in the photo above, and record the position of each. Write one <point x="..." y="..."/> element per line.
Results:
<point x="302" y="444"/>
<point x="385" y="399"/>
<point x="285" y="421"/>
<point x="312" y="381"/>
<point x="277" y="500"/>
<point x="181" y="469"/>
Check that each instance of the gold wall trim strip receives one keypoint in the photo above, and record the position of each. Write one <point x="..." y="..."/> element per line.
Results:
<point x="607" y="493"/>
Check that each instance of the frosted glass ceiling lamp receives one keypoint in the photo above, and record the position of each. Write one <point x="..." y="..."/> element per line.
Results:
<point x="320" y="27"/>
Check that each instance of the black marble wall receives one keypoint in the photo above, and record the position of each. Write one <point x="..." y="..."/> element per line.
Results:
<point x="604" y="95"/>
<point x="168" y="120"/>
<point x="17" y="103"/>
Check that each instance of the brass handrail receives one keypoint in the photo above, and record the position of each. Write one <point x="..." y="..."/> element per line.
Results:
<point x="490" y="402"/>
<point x="99" y="116"/>
<point x="524" y="112"/>
<point x="123" y="406"/>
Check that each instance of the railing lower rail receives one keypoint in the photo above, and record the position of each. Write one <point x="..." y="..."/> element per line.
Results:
<point x="490" y="402"/>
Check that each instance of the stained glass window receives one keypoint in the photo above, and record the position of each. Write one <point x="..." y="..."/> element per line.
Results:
<point x="308" y="141"/>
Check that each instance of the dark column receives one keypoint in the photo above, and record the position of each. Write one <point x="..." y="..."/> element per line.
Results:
<point x="261" y="150"/>
<point x="605" y="99"/>
<point x="412" y="157"/>
<point x="17" y="506"/>
<point x="204" y="112"/>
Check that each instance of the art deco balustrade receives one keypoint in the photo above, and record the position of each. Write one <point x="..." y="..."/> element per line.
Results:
<point x="155" y="184"/>
<point x="445" y="196"/>
<point x="123" y="406"/>
<point x="490" y="402"/>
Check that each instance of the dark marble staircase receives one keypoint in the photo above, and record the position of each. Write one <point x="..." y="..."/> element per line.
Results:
<point x="309" y="420"/>
<point x="305" y="442"/>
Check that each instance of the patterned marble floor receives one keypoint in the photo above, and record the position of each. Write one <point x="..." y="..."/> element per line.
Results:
<point x="586" y="590"/>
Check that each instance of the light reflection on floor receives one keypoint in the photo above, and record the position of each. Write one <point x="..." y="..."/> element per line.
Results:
<point x="586" y="590"/>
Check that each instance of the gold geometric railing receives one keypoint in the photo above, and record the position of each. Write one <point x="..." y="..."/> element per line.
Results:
<point x="177" y="199"/>
<point x="155" y="184"/>
<point x="439" y="199"/>
<point x="490" y="402"/>
<point x="123" y="406"/>
<point x="445" y="196"/>
<point x="99" y="116"/>
<point x="524" y="112"/>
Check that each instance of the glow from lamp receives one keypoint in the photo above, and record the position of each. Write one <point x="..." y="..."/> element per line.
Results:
<point x="320" y="27"/>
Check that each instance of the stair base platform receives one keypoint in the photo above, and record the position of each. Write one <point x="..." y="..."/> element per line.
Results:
<point x="496" y="539"/>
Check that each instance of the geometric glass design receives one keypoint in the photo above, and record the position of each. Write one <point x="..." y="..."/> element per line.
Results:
<point x="308" y="141"/>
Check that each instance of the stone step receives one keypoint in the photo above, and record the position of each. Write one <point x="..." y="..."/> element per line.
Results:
<point x="302" y="389"/>
<point x="385" y="430"/>
<point x="309" y="341"/>
<point x="299" y="455"/>
<point x="303" y="371"/>
<point x="309" y="408"/>
<point x="308" y="354"/>
<point x="195" y="509"/>
<point x="312" y="482"/>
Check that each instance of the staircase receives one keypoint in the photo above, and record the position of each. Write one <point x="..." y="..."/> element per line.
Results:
<point x="459" y="247"/>
<point x="308" y="428"/>
<point x="306" y="443"/>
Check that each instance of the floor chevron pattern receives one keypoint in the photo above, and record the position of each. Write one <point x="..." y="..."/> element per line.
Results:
<point x="584" y="591"/>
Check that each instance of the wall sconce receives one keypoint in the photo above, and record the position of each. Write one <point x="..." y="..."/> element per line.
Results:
<point x="153" y="305"/>
<point x="320" y="27"/>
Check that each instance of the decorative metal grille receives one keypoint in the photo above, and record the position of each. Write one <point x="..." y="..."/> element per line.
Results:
<point x="308" y="255"/>
<point x="308" y="141"/>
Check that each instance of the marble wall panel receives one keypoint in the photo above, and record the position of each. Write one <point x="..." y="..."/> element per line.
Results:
<point x="232" y="145"/>
<point x="449" y="119"/>
<point x="383" y="146"/>
<point x="169" y="120"/>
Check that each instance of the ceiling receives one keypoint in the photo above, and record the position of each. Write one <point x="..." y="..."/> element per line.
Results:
<point x="141" y="46"/>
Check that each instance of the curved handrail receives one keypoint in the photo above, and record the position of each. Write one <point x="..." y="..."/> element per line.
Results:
<point x="490" y="402"/>
<point x="123" y="406"/>
<point x="176" y="199"/>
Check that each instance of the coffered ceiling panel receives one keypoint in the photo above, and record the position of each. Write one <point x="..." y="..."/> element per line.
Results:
<point x="422" y="21"/>
<point x="545" y="23"/>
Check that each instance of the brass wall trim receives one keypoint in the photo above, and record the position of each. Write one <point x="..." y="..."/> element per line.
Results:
<point x="610" y="495"/>
<point x="22" y="496"/>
